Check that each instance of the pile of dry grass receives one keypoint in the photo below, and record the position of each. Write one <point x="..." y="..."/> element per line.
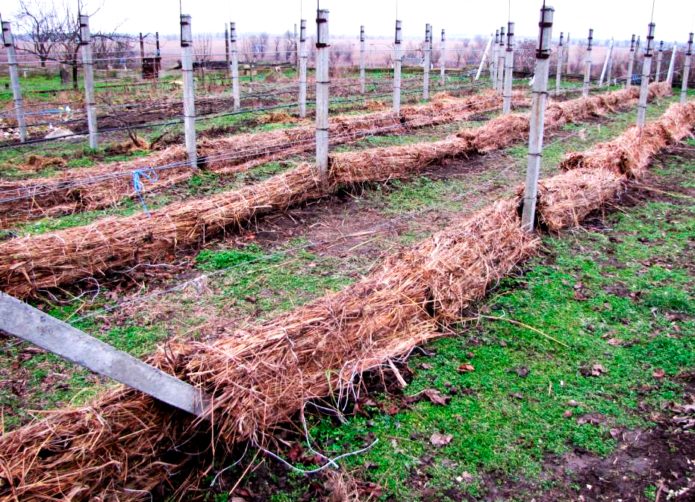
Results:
<point x="125" y="444"/>
<point x="45" y="261"/>
<point x="630" y="154"/>
<point x="38" y="162"/>
<point x="96" y="188"/>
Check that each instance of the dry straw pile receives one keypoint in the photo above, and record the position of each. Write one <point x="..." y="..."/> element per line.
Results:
<point x="45" y="261"/>
<point x="124" y="444"/>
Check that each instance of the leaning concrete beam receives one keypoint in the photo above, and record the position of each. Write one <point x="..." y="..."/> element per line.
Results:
<point x="30" y="324"/>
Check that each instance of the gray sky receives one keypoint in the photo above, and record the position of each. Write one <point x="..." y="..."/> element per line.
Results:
<point x="609" y="18"/>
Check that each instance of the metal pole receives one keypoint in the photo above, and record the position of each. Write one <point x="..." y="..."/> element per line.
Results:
<point x="646" y="72"/>
<point x="672" y="64"/>
<point x="659" y="61"/>
<point x="88" y="68"/>
<point x="606" y="62"/>
<point x="508" y="70"/>
<point x="442" y="60"/>
<point x="397" y="63"/>
<point x="587" y="64"/>
<point x="493" y="60"/>
<point x="686" y="69"/>
<point x="14" y="79"/>
<point x="560" y="61"/>
<point x="538" y="102"/>
<point x="499" y="83"/>
<point x="236" y="96"/>
<point x="630" y="63"/>
<point x="302" y="68"/>
<point x="322" y="88"/>
<point x="427" y="63"/>
<point x="484" y="58"/>
<point x="363" y="61"/>
<point x="188" y="89"/>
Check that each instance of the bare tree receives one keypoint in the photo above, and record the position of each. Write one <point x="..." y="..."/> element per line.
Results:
<point x="40" y="24"/>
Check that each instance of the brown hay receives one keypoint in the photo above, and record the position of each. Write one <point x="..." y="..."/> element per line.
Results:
<point x="38" y="162"/>
<point x="277" y="118"/>
<point x="134" y="144"/>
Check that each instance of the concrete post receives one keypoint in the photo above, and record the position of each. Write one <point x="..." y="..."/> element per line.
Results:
<point x="560" y="62"/>
<point x="303" y="57"/>
<point x="493" y="60"/>
<point x="442" y="60"/>
<point x="646" y="72"/>
<point x="397" y="64"/>
<point x="609" y="72"/>
<point x="427" y="62"/>
<point x="672" y="64"/>
<point x="236" y="93"/>
<point x="587" y="64"/>
<point x="88" y="68"/>
<point x="538" y="103"/>
<point x="188" y="89"/>
<point x="604" y="71"/>
<point x="363" y="71"/>
<point x="484" y="58"/>
<point x="659" y="62"/>
<point x="142" y="55"/>
<point x="508" y="70"/>
<point x="686" y="70"/>
<point x="322" y="89"/>
<point x="499" y="84"/>
<point x="630" y="63"/>
<point x="567" y="54"/>
<point x="14" y="80"/>
<point x="226" y="51"/>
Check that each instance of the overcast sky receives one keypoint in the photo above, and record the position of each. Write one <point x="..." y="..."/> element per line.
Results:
<point x="609" y="18"/>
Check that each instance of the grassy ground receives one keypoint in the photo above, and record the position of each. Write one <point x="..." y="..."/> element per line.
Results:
<point x="589" y="342"/>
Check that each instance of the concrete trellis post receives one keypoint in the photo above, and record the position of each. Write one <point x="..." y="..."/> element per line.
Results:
<point x="672" y="64"/>
<point x="363" y="71"/>
<point x="508" y="70"/>
<point x="88" y="64"/>
<point x="587" y="64"/>
<point x="188" y="89"/>
<point x="646" y="72"/>
<point x="8" y="42"/>
<point x="485" y="56"/>
<point x="630" y="63"/>
<point x="442" y="60"/>
<point x="226" y="51"/>
<point x="567" y="55"/>
<point x="659" y="62"/>
<point x="609" y="72"/>
<point x="499" y="82"/>
<point x="560" y="61"/>
<point x="322" y="90"/>
<point x="397" y="64"/>
<point x="303" y="57"/>
<point x="427" y="62"/>
<point x="236" y="93"/>
<point x="538" y="103"/>
<point x="686" y="69"/>
<point x="606" y="63"/>
<point x="493" y="59"/>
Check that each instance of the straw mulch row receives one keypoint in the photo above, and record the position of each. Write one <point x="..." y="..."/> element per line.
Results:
<point x="46" y="261"/>
<point x="96" y="188"/>
<point x="124" y="444"/>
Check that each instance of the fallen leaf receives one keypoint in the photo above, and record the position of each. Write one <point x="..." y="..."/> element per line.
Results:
<point x="439" y="439"/>
<point x="522" y="371"/>
<point x="517" y="395"/>
<point x="436" y="397"/>
<point x="466" y="368"/>
<point x="567" y="413"/>
<point x="594" y="370"/>
<point x="591" y="418"/>
<point x="615" y="342"/>
<point x="426" y="366"/>
<point x="659" y="373"/>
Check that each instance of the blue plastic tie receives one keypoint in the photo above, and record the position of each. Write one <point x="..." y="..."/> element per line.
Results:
<point x="150" y="175"/>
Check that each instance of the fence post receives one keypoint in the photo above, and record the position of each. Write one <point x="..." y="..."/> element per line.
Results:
<point x="226" y="51"/>
<point x="630" y="63"/>
<point x="427" y="62"/>
<point x="686" y="69"/>
<point x="88" y="68"/>
<point x="493" y="60"/>
<point x="397" y="63"/>
<point x="188" y="89"/>
<point x="8" y="41"/>
<point x="322" y="89"/>
<point x="142" y="55"/>
<point x="560" y="61"/>
<point x="442" y="60"/>
<point x="567" y="54"/>
<point x="499" y="83"/>
<point x="659" y="62"/>
<point x="646" y="72"/>
<point x="302" y="68"/>
<point x="672" y="64"/>
<point x="538" y="103"/>
<point x="508" y="70"/>
<point x="609" y="74"/>
<point x="606" y="62"/>
<point x="587" y="64"/>
<point x="363" y="71"/>
<point x="236" y="96"/>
